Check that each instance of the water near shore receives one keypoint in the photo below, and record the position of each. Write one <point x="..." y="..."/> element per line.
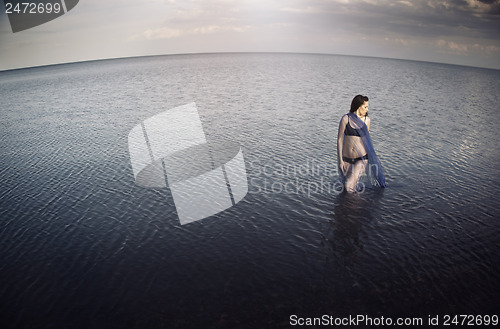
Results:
<point x="82" y="246"/>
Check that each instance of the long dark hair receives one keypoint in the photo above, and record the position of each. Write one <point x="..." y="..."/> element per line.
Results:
<point x="357" y="101"/>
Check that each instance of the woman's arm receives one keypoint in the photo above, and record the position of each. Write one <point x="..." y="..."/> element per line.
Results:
<point x="340" y="141"/>
<point x="368" y="121"/>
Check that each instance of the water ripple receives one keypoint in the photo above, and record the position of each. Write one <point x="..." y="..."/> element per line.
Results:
<point x="83" y="246"/>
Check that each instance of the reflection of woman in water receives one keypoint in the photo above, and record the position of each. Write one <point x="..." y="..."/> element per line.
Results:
<point x="354" y="147"/>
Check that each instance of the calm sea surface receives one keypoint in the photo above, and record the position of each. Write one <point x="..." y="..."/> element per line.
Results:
<point x="82" y="246"/>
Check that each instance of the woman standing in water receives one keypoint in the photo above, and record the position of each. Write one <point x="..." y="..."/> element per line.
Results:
<point x="354" y="147"/>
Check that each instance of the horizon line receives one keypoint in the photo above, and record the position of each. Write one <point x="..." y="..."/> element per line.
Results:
<point x="244" y="52"/>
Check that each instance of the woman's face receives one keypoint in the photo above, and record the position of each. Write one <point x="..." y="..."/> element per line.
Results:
<point x="363" y="109"/>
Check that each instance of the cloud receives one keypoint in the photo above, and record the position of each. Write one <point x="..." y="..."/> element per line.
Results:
<point x="418" y="17"/>
<point x="457" y="48"/>
<point x="352" y="26"/>
<point x="467" y="49"/>
<point x="300" y="10"/>
<point x="162" y="33"/>
<point x="169" y="33"/>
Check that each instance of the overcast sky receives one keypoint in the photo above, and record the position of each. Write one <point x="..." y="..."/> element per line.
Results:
<point x="465" y="32"/>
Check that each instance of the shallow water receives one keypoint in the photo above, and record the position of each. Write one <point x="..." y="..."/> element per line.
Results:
<point x="83" y="246"/>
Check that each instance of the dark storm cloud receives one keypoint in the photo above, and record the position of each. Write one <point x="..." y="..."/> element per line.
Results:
<point x="491" y="2"/>
<point x="475" y="19"/>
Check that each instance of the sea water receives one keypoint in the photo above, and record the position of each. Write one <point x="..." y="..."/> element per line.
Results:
<point x="83" y="246"/>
